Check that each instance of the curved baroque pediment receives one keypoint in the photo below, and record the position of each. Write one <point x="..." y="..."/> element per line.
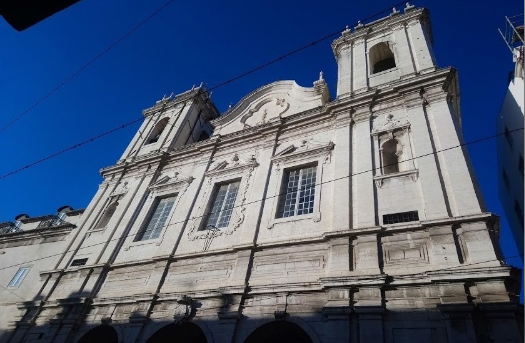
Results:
<point x="276" y="100"/>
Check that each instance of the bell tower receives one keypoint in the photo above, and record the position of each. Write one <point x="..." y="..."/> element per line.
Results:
<point x="174" y="121"/>
<point x="395" y="47"/>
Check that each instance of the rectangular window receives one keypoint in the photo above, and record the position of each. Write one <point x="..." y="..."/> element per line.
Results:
<point x="157" y="219"/>
<point x="79" y="262"/>
<point x="508" y="137"/>
<point x="520" y="165"/>
<point x="298" y="192"/>
<point x="506" y="180"/>
<point x="222" y="207"/>
<point x="401" y="217"/>
<point x="19" y="277"/>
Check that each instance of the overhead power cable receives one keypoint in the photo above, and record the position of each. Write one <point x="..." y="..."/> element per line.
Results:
<point x="277" y="195"/>
<point x="85" y="66"/>
<point x="251" y="71"/>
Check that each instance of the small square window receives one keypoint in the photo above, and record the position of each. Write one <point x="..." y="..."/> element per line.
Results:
<point x="79" y="262"/>
<point x="298" y="192"/>
<point x="19" y="277"/>
<point x="158" y="218"/>
<point x="222" y="206"/>
<point x="402" y="217"/>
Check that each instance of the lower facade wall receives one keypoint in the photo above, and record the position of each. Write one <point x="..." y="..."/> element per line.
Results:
<point x="142" y="319"/>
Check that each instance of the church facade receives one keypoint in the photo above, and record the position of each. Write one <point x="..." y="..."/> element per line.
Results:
<point x="293" y="216"/>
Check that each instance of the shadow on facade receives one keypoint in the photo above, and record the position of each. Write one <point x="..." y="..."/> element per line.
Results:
<point x="78" y="320"/>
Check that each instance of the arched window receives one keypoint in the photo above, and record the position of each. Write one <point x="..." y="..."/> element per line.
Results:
<point x="106" y="216"/>
<point x="381" y="58"/>
<point x="157" y="131"/>
<point x="391" y="151"/>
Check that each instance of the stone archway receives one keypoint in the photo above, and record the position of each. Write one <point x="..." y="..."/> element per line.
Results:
<point x="100" y="334"/>
<point x="279" y="332"/>
<point x="183" y="333"/>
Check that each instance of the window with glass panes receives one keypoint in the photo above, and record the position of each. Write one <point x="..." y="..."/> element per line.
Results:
<point x="19" y="277"/>
<point x="298" y="192"/>
<point x="222" y="207"/>
<point x="157" y="220"/>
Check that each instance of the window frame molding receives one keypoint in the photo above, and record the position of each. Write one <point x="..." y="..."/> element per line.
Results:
<point x="293" y="157"/>
<point x="174" y="184"/>
<point x="29" y="266"/>
<point x="387" y="129"/>
<point x="389" y="40"/>
<point x="150" y="133"/>
<point x="223" y="172"/>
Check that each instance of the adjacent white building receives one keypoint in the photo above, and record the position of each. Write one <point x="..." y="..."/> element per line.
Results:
<point x="510" y="145"/>
<point x="294" y="216"/>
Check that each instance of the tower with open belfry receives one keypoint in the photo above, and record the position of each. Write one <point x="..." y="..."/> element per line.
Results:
<point x="295" y="216"/>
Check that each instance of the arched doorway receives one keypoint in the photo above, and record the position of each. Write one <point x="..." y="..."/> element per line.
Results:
<point x="279" y="332"/>
<point x="100" y="334"/>
<point x="180" y="333"/>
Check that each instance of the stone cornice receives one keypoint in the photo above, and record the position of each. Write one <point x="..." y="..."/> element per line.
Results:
<point x="390" y="22"/>
<point x="197" y="94"/>
<point x="64" y="229"/>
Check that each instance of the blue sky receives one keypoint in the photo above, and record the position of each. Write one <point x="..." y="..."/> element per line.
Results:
<point x="191" y="42"/>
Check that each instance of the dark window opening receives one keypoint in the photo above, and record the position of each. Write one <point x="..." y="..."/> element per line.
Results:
<point x="520" y="165"/>
<point x="381" y="58"/>
<point x="391" y="151"/>
<point x="79" y="262"/>
<point x="402" y="217"/>
<point x="157" y="131"/>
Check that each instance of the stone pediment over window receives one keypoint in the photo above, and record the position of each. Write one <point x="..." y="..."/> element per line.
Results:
<point x="304" y="149"/>
<point x="389" y="124"/>
<point x="171" y="181"/>
<point x="276" y="100"/>
<point x="233" y="165"/>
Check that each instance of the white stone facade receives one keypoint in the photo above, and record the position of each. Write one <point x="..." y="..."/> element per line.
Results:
<point x="387" y="240"/>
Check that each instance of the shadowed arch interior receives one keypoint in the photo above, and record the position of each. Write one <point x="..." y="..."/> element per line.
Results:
<point x="279" y="332"/>
<point x="381" y="58"/>
<point x="100" y="334"/>
<point x="391" y="152"/>
<point x="157" y="131"/>
<point x="183" y="333"/>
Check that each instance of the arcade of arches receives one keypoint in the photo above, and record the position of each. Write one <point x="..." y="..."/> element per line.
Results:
<point x="273" y="332"/>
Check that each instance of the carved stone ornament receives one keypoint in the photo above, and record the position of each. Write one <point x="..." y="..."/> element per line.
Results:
<point x="305" y="149"/>
<point x="412" y="174"/>
<point x="173" y="181"/>
<point x="390" y="124"/>
<point x="265" y="110"/>
<point x="224" y="169"/>
<point x="120" y="190"/>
